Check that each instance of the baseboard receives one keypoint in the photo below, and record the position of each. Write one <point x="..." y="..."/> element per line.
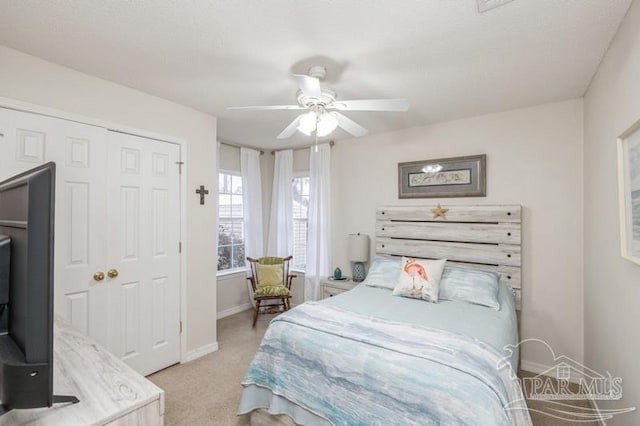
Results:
<point x="533" y="367"/>
<point x="537" y="368"/>
<point x="234" y="310"/>
<point x="200" y="352"/>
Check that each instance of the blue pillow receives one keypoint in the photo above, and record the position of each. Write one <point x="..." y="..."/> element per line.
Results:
<point x="384" y="272"/>
<point x="471" y="286"/>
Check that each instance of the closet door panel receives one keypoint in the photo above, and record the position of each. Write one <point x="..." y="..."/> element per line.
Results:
<point x="79" y="152"/>
<point x="23" y="143"/>
<point x="143" y="193"/>
<point x="80" y="223"/>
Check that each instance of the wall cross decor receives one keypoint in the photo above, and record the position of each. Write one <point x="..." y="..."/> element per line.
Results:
<point x="202" y="193"/>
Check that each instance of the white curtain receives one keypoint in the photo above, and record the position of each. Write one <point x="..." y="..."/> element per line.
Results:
<point x="217" y="201"/>
<point x="251" y="202"/>
<point x="280" y="242"/>
<point x="319" y="236"/>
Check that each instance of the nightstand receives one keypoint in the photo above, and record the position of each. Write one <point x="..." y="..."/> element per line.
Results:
<point x="330" y="288"/>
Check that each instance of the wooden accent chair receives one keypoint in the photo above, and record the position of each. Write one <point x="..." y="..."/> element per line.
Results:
<point x="270" y="280"/>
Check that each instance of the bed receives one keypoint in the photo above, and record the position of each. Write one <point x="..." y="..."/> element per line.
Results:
<point x="368" y="357"/>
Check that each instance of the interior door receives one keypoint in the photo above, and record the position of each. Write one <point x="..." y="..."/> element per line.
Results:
<point x="79" y="151"/>
<point x="117" y="208"/>
<point x="143" y="235"/>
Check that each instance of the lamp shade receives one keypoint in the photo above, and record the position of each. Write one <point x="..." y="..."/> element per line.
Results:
<point x="358" y="247"/>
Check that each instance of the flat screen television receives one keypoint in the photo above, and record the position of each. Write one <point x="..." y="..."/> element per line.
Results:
<point x="26" y="290"/>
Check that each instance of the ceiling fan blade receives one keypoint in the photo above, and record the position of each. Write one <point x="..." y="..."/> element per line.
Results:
<point x="349" y="125"/>
<point x="310" y="86"/>
<point x="267" y="107"/>
<point x="371" y="105"/>
<point x="291" y="129"/>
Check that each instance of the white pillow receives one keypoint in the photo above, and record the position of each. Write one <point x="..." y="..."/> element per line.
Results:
<point x="470" y="285"/>
<point x="384" y="272"/>
<point x="420" y="279"/>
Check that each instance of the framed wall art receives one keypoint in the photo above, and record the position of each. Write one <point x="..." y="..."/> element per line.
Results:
<point x="629" y="192"/>
<point x="443" y="177"/>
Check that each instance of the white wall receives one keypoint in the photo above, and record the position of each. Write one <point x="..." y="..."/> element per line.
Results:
<point x="612" y="284"/>
<point x="233" y="294"/>
<point x="534" y="158"/>
<point x="29" y="79"/>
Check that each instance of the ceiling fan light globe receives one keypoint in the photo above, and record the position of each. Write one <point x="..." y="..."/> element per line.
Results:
<point x="324" y="132"/>
<point x="327" y="123"/>
<point x="307" y="123"/>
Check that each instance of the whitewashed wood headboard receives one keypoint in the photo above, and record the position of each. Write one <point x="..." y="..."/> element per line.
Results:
<point x="484" y="237"/>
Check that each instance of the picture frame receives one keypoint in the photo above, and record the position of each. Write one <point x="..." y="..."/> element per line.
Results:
<point x="629" y="192"/>
<point x="453" y="177"/>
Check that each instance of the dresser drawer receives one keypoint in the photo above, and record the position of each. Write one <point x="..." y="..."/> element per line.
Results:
<point x="328" y="291"/>
<point x="330" y="288"/>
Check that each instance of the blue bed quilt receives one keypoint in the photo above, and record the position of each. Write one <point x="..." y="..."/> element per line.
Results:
<point x="350" y="369"/>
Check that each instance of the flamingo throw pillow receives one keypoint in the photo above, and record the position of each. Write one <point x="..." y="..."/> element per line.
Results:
<point x="420" y="279"/>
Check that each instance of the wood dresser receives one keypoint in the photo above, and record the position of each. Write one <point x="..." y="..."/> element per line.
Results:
<point x="110" y="392"/>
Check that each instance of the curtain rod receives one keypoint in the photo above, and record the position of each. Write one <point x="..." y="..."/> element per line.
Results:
<point x="273" y="152"/>
<point x="235" y="145"/>
<point x="331" y="143"/>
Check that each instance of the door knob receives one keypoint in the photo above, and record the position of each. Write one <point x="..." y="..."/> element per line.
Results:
<point x="112" y="273"/>
<point x="98" y="276"/>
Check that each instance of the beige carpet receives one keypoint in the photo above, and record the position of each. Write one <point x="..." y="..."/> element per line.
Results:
<point x="207" y="391"/>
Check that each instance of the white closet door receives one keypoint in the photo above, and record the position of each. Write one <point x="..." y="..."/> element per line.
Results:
<point x="143" y="234"/>
<point x="80" y="248"/>
<point x="20" y="149"/>
<point x="79" y="152"/>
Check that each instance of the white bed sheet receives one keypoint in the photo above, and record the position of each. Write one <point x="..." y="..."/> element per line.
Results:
<point x="496" y="328"/>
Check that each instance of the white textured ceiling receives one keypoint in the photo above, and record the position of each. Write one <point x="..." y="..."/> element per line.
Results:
<point x="448" y="59"/>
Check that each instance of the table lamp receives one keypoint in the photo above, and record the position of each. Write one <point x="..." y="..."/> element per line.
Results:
<point x="358" y="250"/>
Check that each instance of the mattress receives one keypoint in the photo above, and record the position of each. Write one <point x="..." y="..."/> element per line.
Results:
<point x="496" y="328"/>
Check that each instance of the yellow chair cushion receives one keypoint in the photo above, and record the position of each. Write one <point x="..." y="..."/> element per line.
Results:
<point x="269" y="275"/>
<point x="271" y="290"/>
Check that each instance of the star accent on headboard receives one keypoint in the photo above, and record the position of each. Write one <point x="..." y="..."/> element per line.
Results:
<point x="439" y="211"/>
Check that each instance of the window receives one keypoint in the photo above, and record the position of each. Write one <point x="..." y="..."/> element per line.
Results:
<point x="564" y="372"/>
<point x="230" y="222"/>
<point x="300" y="224"/>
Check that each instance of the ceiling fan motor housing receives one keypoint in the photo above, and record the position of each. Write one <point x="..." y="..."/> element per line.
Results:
<point x="327" y="98"/>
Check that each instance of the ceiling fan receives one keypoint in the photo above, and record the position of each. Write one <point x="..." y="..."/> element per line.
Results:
<point x="323" y="108"/>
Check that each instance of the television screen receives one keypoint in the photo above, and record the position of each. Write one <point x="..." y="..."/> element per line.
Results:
<point x="26" y="288"/>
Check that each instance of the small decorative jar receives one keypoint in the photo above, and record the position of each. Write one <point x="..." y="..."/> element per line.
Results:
<point x="337" y="273"/>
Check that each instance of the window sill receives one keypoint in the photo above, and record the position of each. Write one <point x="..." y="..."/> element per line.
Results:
<point x="231" y="273"/>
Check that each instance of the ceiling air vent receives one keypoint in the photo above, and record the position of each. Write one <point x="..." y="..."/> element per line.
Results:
<point x="484" y="5"/>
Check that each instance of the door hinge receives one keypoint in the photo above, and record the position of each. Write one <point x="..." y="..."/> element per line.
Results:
<point x="180" y="327"/>
<point x="180" y="247"/>
<point x="180" y="163"/>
